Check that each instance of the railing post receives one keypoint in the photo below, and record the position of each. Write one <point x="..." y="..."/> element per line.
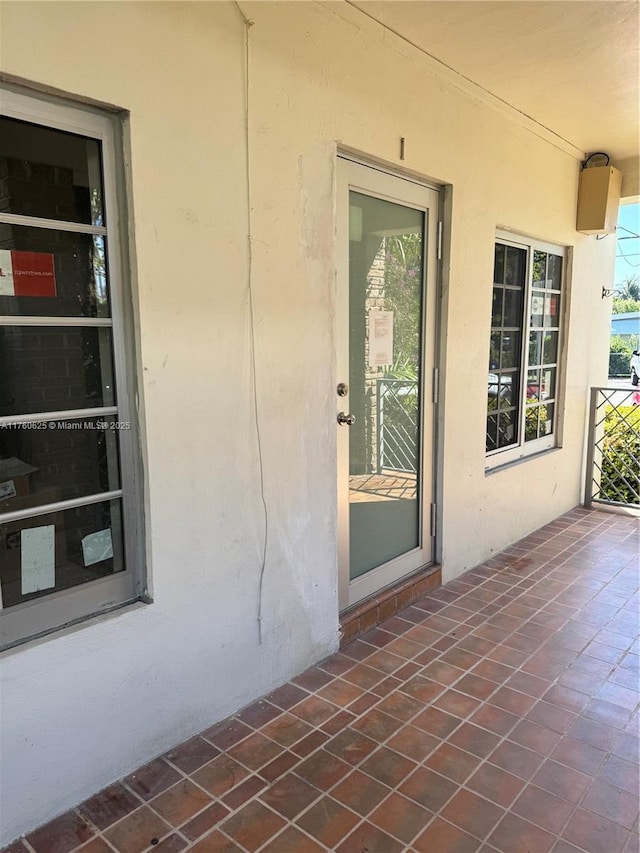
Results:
<point x="591" y="441"/>
<point x="379" y="419"/>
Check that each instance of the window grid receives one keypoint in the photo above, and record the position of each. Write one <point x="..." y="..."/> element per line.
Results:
<point x="74" y="599"/>
<point x="523" y="370"/>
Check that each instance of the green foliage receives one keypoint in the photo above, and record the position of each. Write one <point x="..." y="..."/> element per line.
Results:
<point x="620" y="344"/>
<point x="531" y="420"/>
<point x="625" y="306"/>
<point x="620" y="474"/>
<point x="403" y="296"/>
<point x="620" y="352"/>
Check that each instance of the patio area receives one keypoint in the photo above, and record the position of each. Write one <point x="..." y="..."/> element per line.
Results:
<point x="499" y="713"/>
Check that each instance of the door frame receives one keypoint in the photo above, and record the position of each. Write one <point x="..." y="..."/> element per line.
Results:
<point x="355" y="173"/>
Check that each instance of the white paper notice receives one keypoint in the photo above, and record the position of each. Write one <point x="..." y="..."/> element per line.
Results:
<point x="38" y="558"/>
<point x="97" y="547"/>
<point x="380" y="338"/>
<point x="537" y="305"/>
<point x="8" y="489"/>
<point x="6" y="274"/>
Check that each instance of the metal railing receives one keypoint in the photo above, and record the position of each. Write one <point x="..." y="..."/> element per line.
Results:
<point x="397" y="418"/>
<point x="613" y="451"/>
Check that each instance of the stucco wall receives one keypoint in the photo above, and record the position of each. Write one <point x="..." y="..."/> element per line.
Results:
<point x="84" y="707"/>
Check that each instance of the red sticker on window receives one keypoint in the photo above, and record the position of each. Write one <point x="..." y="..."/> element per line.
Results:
<point x="33" y="274"/>
<point x="27" y="274"/>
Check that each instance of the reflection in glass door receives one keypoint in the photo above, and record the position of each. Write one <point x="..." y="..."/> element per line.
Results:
<point x="383" y="424"/>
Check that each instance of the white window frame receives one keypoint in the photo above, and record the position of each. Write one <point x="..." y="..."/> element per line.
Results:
<point x="48" y="613"/>
<point x="524" y="449"/>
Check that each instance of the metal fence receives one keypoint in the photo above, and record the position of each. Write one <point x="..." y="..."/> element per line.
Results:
<point x="397" y="419"/>
<point x="613" y="452"/>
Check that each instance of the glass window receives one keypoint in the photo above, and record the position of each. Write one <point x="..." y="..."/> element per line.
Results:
<point x="50" y="174"/>
<point x="47" y="273"/>
<point x="522" y="385"/>
<point x="66" y="545"/>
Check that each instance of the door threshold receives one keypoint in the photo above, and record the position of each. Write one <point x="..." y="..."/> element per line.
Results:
<point x="371" y="612"/>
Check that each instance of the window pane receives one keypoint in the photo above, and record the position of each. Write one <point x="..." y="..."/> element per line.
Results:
<point x="506" y="429"/>
<point x="550" y="354"/>
<point x="539" y="269"/>
<point x="492" y="433"/>
<point x="533" y="385"/>
<point x="496" y="308"/>
<point x="54" y="368"/>
<point x="515" y="266"/>
<point x="49" y="173"/>
<point x="59" y="550"/>
<point x="40" y="464"/>
<point x="505" y="348"/>
<point x="510" y="349"/>
<point x="513" y="308"/>
<point x="548" y="385"/>
<point x="494" y="351"/>
<point x="500" y="390"/>
<point x="537" y="308"/>
<point x="539" y="421"/>
<point x="535" y="347"/>
<point x="498" y="268"/>
<point x="551" y="305"/>
<point x="49" y="273"/>
<point x="554" y="272"/>
<point x="531" y="423"/>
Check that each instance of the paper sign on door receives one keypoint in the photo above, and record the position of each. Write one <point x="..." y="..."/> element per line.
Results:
<point x="380" y="338"/>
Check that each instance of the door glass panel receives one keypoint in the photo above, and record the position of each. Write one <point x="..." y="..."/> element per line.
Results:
<point x="386" y="249"/>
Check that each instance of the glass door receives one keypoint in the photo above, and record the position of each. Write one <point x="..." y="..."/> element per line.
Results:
<point x="385" y="354"/>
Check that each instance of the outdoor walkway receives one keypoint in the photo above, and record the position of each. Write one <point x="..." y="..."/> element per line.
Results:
<point x="498" y="713"/>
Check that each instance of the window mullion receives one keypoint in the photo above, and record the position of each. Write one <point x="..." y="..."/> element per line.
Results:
<point x="524" y="361"/>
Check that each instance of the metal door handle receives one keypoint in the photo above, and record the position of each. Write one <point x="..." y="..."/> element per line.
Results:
<point x="346" y="420"/>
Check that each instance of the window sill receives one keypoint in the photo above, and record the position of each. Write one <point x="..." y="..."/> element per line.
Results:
<point x="527" y="458"/>
<point x="71" y="627"/>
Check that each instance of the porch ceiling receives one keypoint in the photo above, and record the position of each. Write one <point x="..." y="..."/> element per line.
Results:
<point x="571" y="65"/>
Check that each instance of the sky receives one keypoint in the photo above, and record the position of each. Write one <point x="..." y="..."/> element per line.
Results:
<point x="628" y="239"/>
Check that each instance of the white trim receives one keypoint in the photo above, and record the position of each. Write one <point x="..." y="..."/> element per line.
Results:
<point x="52" y="224"/>
<point x="522" y="450"/>
<point x="31" y="320"/>
<point x="353" y="156"/>
<point x="64" y="415"/>
<point x="58" y="506"/>
<point x="355" y="175"/>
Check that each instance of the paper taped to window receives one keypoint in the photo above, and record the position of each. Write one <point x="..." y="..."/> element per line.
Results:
<point x="97" y="547"/>
<point x="38" y="558"/>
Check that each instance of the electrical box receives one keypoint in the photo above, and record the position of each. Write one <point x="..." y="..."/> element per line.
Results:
<point x="598" y="200"/>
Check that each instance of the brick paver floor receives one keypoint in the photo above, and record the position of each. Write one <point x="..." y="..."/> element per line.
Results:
<point x="499" y="713"/>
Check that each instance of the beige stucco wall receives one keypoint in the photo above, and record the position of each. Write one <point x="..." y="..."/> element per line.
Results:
<point x="84" y="707"/>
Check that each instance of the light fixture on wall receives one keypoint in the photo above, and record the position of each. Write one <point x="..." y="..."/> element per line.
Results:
<point x="598" y="195"/>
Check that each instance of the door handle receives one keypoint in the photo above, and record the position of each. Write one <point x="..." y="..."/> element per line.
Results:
<point x="346" y="420"/>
